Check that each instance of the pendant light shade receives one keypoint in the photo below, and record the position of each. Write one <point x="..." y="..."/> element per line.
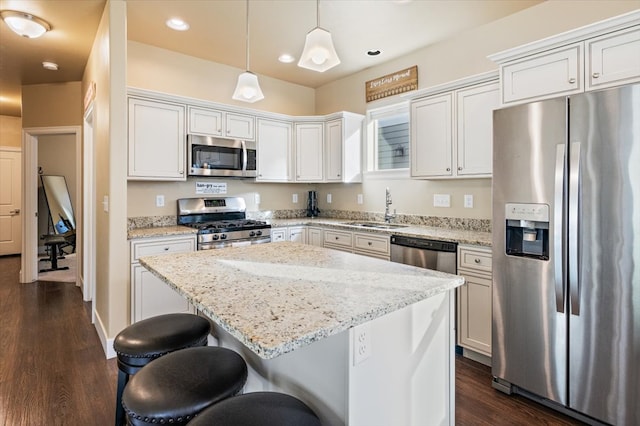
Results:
<point x="248" y="88"/>
<point x="318" y="53"/>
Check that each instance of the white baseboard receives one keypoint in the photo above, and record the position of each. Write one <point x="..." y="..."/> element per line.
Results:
<point x="477" y="357"/>
<point x="107" y="344"/>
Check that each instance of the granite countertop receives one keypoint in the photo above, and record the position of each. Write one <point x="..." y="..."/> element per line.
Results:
<point x="443" y="234"/>
<point x="275" y="298"/>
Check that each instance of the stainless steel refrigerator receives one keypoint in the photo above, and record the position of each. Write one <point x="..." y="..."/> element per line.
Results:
<point x="566" y="253"/>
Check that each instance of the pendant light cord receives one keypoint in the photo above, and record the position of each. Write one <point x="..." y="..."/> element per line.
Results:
<point x="247" y="35"/>
<point x="317" y="13"/>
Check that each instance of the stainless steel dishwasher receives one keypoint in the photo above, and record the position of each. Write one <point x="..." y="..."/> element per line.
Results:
<point x="429" y="254"/>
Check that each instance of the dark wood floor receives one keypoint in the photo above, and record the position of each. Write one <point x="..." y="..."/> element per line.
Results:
<point x="53" y="370"/>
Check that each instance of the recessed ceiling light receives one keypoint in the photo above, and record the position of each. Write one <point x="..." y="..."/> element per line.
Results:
<point x="177" y="24"/>
<point x="285" y="58"/>
<point x="373" y="52"/>
<point x="50" y="66"/>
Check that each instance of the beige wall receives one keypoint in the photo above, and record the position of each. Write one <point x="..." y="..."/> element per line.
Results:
<point x="107" y="68"/>
<point x="10" y="131"/>
<point x="47" y="105"/>
<point x="165" y="71"/>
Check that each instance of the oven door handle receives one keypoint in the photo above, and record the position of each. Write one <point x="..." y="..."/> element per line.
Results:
<point x="244" y="156"/>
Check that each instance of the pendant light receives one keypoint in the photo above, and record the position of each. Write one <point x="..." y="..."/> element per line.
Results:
<point x="248" y="89"/>
<point x="318" y="53"/>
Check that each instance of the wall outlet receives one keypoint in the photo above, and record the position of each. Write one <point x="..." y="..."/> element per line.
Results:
<point x="256" y="198"/>
<point x="362" y="348"/>
<point x="441" y="200"/>
<point x="360" y="199"/>
<point x="468" y="201"/>
<point x="159" y="200"/>
<point x="328" y="198"/>
<point x="294" y="198"/>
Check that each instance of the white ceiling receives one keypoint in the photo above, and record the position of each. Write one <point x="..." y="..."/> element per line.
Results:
<point x="217" y="33"/>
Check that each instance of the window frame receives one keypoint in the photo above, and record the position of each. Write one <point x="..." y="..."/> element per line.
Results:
<point x="371" y="148"/>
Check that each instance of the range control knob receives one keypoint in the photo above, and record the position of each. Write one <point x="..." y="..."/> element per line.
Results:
<point x="223" y="236"/>
<point x="214" y="237"/>
<point x="258" y="233"/>
<point x="252" y="234"/>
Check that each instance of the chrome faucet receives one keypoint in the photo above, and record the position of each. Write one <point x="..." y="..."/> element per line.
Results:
<point x="387" y="214"/>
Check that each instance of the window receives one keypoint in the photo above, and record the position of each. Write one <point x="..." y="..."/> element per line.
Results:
<point x="388" y="138"/>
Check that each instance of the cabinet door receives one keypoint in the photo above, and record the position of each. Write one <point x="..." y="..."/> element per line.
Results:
<point x="546" y="75"/>
<point x="613" y="59"/>
<point x="309" y="152"/>
<point x="333" y="158"/>
<point x="274" y="151"/>
<point x="239" y="126"/>
<point x="474" y="138"/>
<point x="156" y="140"/>
<point x="278" y="234"/>
<point x="431" y="136"/>
<point x="314" y="237"/>
<point x="152" y="296"/>
<point x="207" y="122"/>
<point x="298" y="234"/>
<point x="474" y="313"/>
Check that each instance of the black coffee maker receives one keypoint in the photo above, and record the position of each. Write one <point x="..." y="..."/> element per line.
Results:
<point x="312" y="204"/>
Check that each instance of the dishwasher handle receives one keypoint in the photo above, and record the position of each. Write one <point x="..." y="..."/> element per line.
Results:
<point x="425" y="244"/>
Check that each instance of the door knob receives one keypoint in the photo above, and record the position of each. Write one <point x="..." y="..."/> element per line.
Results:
<point x="14" y="212"/>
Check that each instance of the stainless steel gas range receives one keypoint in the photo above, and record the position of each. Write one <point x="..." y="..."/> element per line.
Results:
<point x="221" y="222"/>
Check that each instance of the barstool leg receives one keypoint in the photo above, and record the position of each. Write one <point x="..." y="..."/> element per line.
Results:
<point x="123" y="378"/>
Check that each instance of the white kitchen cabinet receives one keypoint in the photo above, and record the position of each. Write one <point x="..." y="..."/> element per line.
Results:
<point x="275" y="151"/>
<point x="278" y="234"/>
<point x="474" y="308"/>
<point x="211" y="122"/>
<point x="343" y="149"/>
<point x="309" y="147"/>
<point x="338" y="240"/>
<point x="598" y="56"/>
<point x="452" y="132"/>
<point x="156" y="140"/>
<point x="151" y="296"/>
<point x="372" y="245"/>
<point x="614" y="59"/>
<point x="297" y="234"/>
<point x="315" y="236"/>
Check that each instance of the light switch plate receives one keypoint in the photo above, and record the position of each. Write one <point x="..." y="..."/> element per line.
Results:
<point x="294" y="198"/>
<point x="159" y="200"/>
<point x="468" y="201"/>
<point x="441" y="200"/>
<point x="256" y="198"/>
<point x="329" y="198"/>
<point x="360" y="199"/>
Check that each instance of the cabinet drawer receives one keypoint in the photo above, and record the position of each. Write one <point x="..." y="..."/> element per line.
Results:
<point x="278" y="234"/>
<point x="474" y="258"/>
<point x="149" y="248"/>
<point x="337" y="238"/>
<point x="371" y="243"/>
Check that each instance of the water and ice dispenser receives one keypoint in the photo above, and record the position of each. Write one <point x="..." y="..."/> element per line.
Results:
<point x="527" y="230"/>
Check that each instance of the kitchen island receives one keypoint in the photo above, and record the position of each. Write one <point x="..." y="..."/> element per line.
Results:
<point x="362" y="341"/>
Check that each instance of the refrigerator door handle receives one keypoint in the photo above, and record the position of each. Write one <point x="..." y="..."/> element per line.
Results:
<point x="557" y="227"/>
<point x="574" y="255"/>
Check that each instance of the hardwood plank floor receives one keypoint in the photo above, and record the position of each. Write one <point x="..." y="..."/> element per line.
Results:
<point x="53" y="370"/>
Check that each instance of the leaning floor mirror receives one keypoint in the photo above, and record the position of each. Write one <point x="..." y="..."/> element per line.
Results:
<point x="61" y="218"/>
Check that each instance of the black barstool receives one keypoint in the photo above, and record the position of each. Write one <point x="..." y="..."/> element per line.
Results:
<point x="178" y="386"/>
<point x="151" y="338"/>
<point x="258" y="409"/>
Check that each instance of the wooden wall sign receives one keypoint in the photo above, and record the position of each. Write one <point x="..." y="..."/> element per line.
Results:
<point x="392" y="84"/>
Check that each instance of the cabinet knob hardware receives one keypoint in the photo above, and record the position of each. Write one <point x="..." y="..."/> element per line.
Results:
<point x="338" y="174"/>
<point x="337" y="238"/>
<point x="370" y="243"/>
<point x="476" y="260"/>
<point x="596" y="74"/>
<point x="166" y="249"/>
<point x="459" y="168"/>
<point x="181" y="172"/>
<point x="448" y="169"/>
<point x="572" y="80"/>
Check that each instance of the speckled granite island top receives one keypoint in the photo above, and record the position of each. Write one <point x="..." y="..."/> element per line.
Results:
<point x="277" y="297"/>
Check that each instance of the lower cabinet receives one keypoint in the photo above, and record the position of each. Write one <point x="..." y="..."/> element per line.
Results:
<point x="315" y="236"/>
<point x="297" y="234"/>
<point x="474" y="300"/>
<point x="364" y="243"/>
<point x="150" y="296"/>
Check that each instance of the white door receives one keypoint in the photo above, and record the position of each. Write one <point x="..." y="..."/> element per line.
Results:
<point x="10" y="201"/>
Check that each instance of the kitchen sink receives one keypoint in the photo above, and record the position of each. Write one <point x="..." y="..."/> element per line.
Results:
<point x="376" y="225"/>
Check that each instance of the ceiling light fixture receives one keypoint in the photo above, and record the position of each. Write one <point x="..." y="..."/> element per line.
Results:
<point x="248" y="88"/>
<point x="318" y="53"/>
<point x="285" y="58"/>
<point x="25" y="24"/>
<point x="52" y="66"/>
<point x="177" y="24"/>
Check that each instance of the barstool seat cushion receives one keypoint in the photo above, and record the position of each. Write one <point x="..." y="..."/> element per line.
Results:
<point x="258" y="409"/>
<point x="179" y="385"/>
<point x="151" y="338"/>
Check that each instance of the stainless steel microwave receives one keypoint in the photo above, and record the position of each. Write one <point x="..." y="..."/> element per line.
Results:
<point x="210" y="156"/>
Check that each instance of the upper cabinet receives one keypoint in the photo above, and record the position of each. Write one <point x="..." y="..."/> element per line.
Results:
<point x="157" y="140"/>
<point x="343" y="148"/>
<point x="595" y="57"/>
<point x="275" y="150"/>
<point x="211" y="122"/>
<point x="452" y="129"/>
<point x="309" y="152"/>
